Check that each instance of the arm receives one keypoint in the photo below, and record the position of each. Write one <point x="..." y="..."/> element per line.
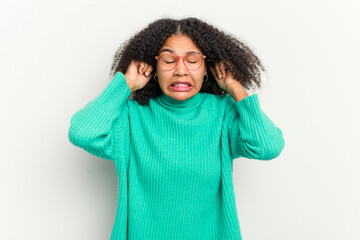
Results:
<point x="97" y="127"/>
<point x="251" y="133"/>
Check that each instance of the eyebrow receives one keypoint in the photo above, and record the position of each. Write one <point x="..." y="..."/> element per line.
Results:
<point x="171" y="51"/>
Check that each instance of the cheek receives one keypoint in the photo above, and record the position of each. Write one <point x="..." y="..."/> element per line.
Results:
<point x="198" y="76"/>
<point x="164" y="76"/>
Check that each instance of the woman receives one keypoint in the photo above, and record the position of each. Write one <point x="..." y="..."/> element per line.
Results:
<point x="174" y="141"/>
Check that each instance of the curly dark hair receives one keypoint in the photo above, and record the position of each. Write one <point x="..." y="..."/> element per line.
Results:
<point x="218" y="46"/>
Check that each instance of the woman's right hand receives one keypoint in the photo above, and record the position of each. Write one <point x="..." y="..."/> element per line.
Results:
<point x="138" y="74"/>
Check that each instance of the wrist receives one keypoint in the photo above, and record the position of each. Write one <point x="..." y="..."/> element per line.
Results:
<point x="237" y="92"/>
<point x="130" y="84"/>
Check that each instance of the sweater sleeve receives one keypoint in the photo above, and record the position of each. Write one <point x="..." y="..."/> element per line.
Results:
<point x="98" y="126"/>
<point x="251" y="133"/>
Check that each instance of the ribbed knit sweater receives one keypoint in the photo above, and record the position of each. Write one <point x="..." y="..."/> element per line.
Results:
<point x="174" y="159"/>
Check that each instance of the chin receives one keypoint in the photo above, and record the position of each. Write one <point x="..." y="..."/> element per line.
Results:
<point x="182" y="96"/>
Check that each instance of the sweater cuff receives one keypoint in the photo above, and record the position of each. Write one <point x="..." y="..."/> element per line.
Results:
<point x="250" y="103"/>
<point x="251" y="113"/>
<point x="118" y="85"/>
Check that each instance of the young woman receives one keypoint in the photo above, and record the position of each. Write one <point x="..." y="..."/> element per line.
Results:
<point x="172" y="120"/>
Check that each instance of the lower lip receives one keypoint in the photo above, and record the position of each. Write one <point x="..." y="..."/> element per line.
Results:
<point x="181" y="88"/>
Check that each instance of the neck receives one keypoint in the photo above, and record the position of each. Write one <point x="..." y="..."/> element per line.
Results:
<point x="170" y="102"/>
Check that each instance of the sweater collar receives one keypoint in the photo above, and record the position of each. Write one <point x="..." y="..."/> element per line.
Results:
<point x="193" y="101"/>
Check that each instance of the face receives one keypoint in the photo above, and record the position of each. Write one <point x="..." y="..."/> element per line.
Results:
<point x="180" y="45"/>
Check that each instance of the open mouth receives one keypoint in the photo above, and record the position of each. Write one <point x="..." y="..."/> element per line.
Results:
<point x="181" y="87"/>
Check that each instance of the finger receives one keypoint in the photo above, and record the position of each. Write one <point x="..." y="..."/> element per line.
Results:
<point x="218" y="72"/>
<point x="141" y="67"/>
<point x="148" y="70"/>
<point x="213" y="71"/>
<point x="144" y="68"/>
<point x="136" y="65"/>
<point x="223" y="72"/>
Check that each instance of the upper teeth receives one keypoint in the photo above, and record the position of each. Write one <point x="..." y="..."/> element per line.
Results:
<point x="181" y="84"/>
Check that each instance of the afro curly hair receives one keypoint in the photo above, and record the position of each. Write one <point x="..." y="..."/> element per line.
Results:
<point x="237" y="57"/>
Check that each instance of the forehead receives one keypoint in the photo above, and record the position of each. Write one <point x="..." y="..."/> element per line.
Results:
<point x="180" y="44"/>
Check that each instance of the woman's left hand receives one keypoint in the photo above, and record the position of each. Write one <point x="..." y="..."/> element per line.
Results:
<point x="224" y="79"/>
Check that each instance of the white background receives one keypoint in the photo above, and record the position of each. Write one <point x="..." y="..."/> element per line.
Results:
<point x="56" y="56"/>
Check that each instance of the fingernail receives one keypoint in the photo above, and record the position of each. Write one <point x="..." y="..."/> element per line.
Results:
<point x="219" y="75"/>
<point x="147" y="74"/>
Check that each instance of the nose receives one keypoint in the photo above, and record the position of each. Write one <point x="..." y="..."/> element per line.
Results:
<point x="180" y="69"/>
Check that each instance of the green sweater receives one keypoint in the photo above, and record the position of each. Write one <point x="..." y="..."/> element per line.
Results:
<point x="174" y="159"/>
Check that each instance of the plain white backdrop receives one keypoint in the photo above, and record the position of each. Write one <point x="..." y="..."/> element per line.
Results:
<point x="56" y="56"/>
